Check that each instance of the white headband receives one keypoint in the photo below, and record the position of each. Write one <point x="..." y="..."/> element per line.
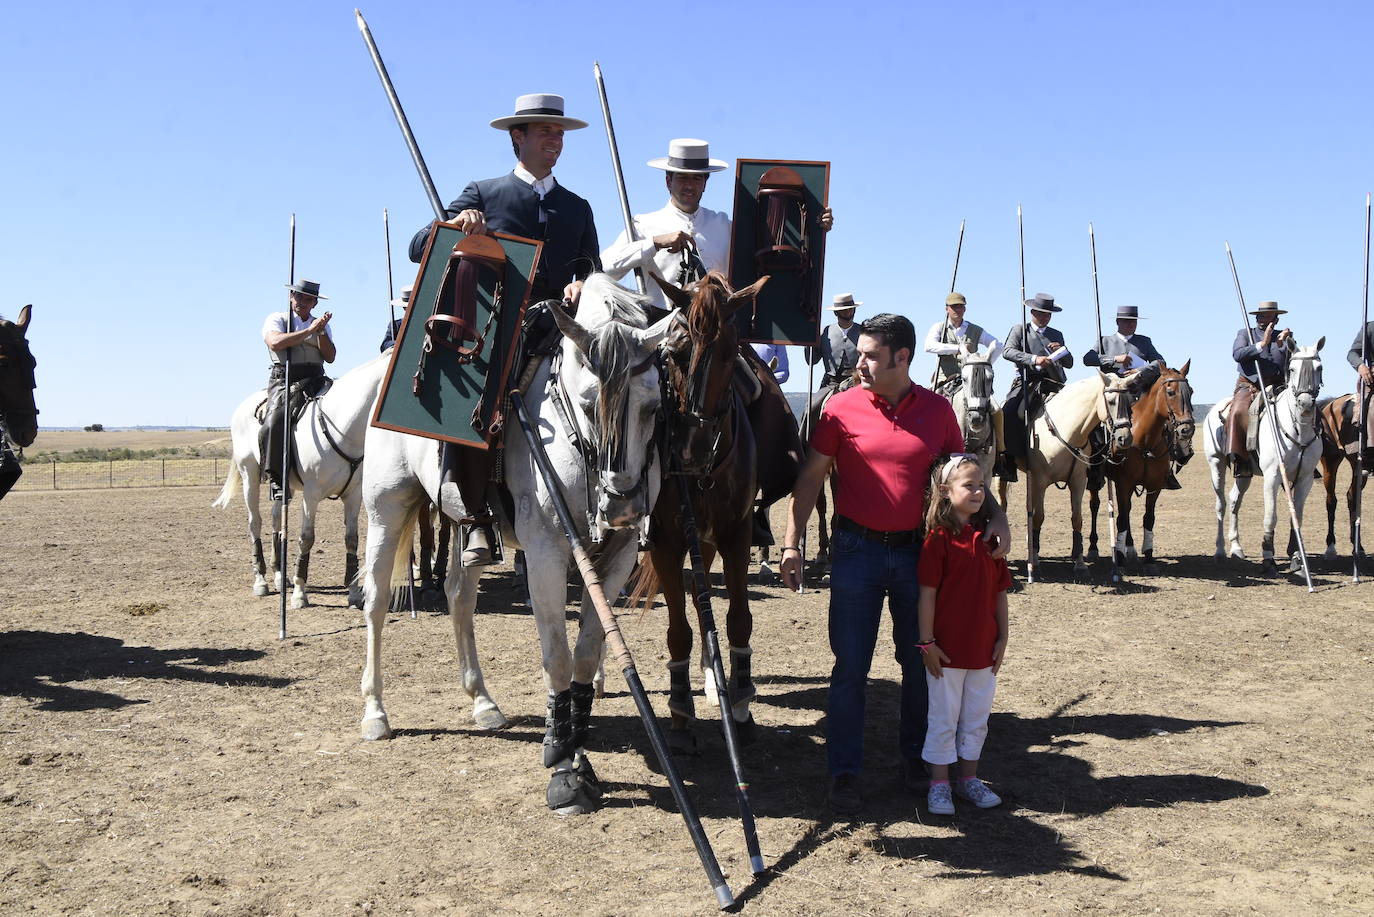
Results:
<point x="955" y="460"/>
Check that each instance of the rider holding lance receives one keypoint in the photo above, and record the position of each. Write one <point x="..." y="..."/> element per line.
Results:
<point x="526" y="202"/>
<point x="1361" y="352"/>
<point x="1269" y="348"/>
<point x="1126" y="354"/>
<point x="1040" y="349"/>
<point x="954" y="334"/>
<point x="309" y="344"/>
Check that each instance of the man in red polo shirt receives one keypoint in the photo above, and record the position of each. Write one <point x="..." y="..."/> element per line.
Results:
<point x="881" y="438"/>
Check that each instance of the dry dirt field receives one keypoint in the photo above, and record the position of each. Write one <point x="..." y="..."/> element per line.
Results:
<point x="64" y="441"/>
<point x="1196" y="742"/>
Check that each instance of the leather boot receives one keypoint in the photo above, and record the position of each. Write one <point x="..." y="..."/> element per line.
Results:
<point x="477" y="549"/>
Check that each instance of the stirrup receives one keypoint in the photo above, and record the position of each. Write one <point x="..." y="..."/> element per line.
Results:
<point x="478" y="548"/>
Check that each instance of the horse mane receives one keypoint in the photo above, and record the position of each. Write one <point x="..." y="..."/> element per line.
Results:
<point x="612" y="314"/>
<point x="603" y="300"/>
<point x="707" y="317"/>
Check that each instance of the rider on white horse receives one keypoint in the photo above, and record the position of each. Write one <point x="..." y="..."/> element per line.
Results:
<point x="948" y="340"/>
<point x="1040" y="349"/>
<point x="1270" y="349"/>
<point x="306" y="344"/>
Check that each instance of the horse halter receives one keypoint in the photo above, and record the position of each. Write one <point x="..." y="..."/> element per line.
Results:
<point x="1118" y="419"/>
<point x="976" y="403"/>
<point x="453" y="312"/>
<point x="696" y="416"/>
<point x="14" y="360"/>
<point x="1179" y="428"/>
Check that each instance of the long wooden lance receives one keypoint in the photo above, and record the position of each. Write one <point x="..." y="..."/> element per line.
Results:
<point x="1107" y="484"/>
<point x="391" y="303"/>
<point x="1273" y="426"/>
<point x="621" y="652"/>
<point x="724" y="897"/>
<point x="439" y="212"/>
<point x="1025" y="408"/>
<point x="1361" y="392"/>
<point x="944" y="320"/>
<point x="619" y="172"/>
<point x="286" y="441"/>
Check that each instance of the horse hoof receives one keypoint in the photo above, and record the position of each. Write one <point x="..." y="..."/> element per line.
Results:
<point x="573" y="790"/>
<point x="1080" y="565"/>
<point x="1093" y="556"/>
<point x="355" y="600"/>
<point x="682" y="742"/>
<point x="376" y="729"/>
<point x="1295" y="564"/>
<point x="1330" y="554"/>
<point x="299" y="602"/>
<point x="490" y="719"/>
<point x="1219" y="556"/>
<point x="746" y="732"/>
<point x="260" y="589"/>
<point x="1238" y="554"/>
<point x="766" y="576"/>
<point x="1269" y="568"/>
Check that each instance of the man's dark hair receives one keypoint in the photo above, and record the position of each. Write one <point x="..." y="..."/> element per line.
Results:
<point x="891" y="330"/>
<point x="522" y="128"/>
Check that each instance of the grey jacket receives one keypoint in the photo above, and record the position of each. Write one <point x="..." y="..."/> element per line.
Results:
<point x="1024" y="345"/>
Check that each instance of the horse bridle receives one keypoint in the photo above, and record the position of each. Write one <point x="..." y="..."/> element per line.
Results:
<point x="696" y="416"/>
<point x="1316" y="382"/>
<point x="8" y="360"/>
<point x="1178" y="430"/>
<point x="986" y="409"/>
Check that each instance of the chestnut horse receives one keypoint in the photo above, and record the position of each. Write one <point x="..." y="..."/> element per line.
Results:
<point x="1340" y="442"/>
<point x="1162" y="429"/>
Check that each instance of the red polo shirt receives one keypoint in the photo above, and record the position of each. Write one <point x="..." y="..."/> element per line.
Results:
<point x="883" y="453"/>
<point x="967" y="580"/>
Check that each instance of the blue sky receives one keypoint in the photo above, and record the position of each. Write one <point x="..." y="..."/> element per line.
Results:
<point x="156" y="152"/>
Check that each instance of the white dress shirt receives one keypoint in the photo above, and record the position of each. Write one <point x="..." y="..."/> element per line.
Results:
<point x="541" y="186"/>
<point x="709" y="228"/>
<point x="954" y="337"/>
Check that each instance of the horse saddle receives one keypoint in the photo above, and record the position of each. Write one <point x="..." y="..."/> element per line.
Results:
<point x="301" y="396"/>
<point x="453" y="318"/>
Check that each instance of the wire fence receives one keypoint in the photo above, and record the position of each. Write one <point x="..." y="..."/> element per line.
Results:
<point x="167" y="472"/>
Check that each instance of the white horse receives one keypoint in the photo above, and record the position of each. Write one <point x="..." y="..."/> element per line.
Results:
<point x="327" y="453"/>
<point x="1294" y="412"/>
<point x="607" y="379"/>
<point x="976" y="409"/>
<point x="1059" y="450"/>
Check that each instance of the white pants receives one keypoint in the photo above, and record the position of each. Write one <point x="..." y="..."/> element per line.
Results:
<point x="960" y="703"/>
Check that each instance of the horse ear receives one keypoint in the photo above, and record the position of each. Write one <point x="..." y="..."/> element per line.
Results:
<point x="24" y="315"/>
<point x="570" y="328"/>
<point x="676" y="294"/>
<point x="740" y="297"/>
<point x="652" y="336"/>
<point x="1184" y="370"/>
<point x="1321" y="342"/>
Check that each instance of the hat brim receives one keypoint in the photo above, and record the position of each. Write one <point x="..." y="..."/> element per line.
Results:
<point x="506" y="123"/>
<point x="714" y="165"/>
<point x="1275" y="311"/>
<point x="400" y="303"/>
<point x="1034" y="307"/>
<point x="844" y="306"/>
<point x="296" y="289"/>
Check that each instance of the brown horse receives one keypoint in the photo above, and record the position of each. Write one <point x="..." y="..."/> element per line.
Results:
<point x="18" y="412"/>
<point x="1162" y="429"/>
<point x="1340" y="442"/>
<point x="711" y="455"/>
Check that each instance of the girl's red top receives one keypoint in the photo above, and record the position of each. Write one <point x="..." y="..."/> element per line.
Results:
<point x="967" y="580"/>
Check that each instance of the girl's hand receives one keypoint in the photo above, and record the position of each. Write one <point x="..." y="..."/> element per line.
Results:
<point x="934" y="658"/>
<point x="999" y="649"/>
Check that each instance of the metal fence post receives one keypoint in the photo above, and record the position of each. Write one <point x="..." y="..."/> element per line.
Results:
<point x="54" y="474"/>
<point x="112" y="472"/>
<point x="164" y="471"/>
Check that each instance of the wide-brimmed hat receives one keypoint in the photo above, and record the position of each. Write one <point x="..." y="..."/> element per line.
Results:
<point x="844" y="301"/>
<point x="403" y="300"/>
<point x="1131" y="312"/>
<point x="308" y="287"/>
<point x="690" y="156"/>
<point x="1268" y="305"/>
<point x="956" y="299"/>
<point x="1043" y="302"/>
<point x="541" y="107"/>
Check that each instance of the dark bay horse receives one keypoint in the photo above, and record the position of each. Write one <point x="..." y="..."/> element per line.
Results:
<point x="18" y="412"/>
<point x="1340" y="423"/>
<point x="1162" y="428"/>
<point x="713" y="455"/>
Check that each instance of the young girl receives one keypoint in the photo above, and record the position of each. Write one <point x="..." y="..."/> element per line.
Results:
<point x="962" y="617"/>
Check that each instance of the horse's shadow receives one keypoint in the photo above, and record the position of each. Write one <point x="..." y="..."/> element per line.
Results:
<point x="1030" y="759"/>
<point x="39" y="665"/>
<point x="1239" y="574"/>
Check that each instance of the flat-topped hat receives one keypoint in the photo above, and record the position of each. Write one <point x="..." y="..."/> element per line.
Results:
<point x="308" y="287"/>
<point x="844" y="301"/>
<point x="403" y="300"/>
<point x="956" y="299"/>
<point x="1131" y="312"/>
<point x="539" y="107"/>
<point x="1268" y="305"/>
<point x="1043" y="302"/>
<point x="690" y="156"/>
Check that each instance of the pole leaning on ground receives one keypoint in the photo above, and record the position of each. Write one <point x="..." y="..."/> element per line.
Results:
<point x="285" y="430"/>
<point x="1273" y="427"/>
<point x="1025" y="408"/>
<point x="619" y="172"/>
<point x="439" y="212"/>
<point x="621" y="652"/>
<point x="1360" y="390"/>
<point x="1107" y="484"/>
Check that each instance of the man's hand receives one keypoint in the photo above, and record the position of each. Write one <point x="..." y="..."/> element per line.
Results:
<point x="1268" y="336"/>
<point x="1041" y="362"/>
<point x="573" y="291"/>
<point x="1366" y="375"/>
<point x="791" y="567"/>
<point x="1123" y="359"/>
<point x="472" y="222"/>
<point x="827" y="220"/>
<point x="318" y="324"/>
<point x="997" y="536"/>
<point x="672" y="241"/>
<point x="1285" y="335"/>
<point x="999" y="650"/>
<point x="934" y="657"/>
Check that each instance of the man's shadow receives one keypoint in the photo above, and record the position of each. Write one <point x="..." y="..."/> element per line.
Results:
<point x="39" y="665"/>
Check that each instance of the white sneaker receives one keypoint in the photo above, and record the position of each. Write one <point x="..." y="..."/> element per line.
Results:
<point x="977" y="792"/>
<point x="939" y="801"/>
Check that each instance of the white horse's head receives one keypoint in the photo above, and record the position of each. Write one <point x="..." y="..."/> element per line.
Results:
<point x="609" y="371"/>
<point x="1114" y="411"/>
<point x="1305" y="378"/>
<point x="976" y="374"/>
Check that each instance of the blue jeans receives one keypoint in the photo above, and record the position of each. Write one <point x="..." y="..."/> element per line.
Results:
<point x="862" y="574"/>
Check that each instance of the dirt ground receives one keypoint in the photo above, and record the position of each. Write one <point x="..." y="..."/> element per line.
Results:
<point x="63" y="441"/>
<point x="1195" y="742"/>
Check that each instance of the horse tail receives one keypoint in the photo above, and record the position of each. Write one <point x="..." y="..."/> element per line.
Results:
<point x="231" y="483"/>
<point x="645" y="583"/>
